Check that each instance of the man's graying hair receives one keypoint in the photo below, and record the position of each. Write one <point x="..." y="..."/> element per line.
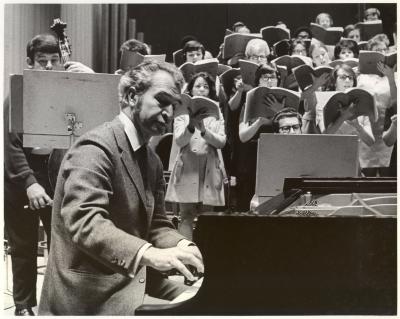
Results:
<point x="140" y="77"/>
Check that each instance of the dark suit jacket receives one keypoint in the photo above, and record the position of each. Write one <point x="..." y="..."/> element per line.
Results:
<point x="102" y="216"/>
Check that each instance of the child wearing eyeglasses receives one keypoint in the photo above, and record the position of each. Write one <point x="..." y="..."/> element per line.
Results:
<point x="266" y="76"/>
<point x="343" y="78"/>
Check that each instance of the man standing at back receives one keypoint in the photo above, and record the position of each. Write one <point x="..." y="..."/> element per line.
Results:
<point x="26" y="182"/>
<point x="109" y="219"/>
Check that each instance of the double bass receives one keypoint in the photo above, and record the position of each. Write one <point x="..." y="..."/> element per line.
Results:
<point x="57" y="155"/>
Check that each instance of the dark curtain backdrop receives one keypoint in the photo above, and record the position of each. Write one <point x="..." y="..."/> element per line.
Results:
<point x="165" y="24"/>
<point x="110" y="32"/>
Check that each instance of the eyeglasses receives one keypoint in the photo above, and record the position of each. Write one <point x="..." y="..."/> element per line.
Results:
<point x="258" y="58"/>
<point x="345" y="77"/>
<point x="268" y="78"/>
<point x="286" y="129"/>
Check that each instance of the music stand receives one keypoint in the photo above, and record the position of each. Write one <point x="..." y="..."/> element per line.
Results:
<point x="58" y="107"/>
<point x="303" y="155"/>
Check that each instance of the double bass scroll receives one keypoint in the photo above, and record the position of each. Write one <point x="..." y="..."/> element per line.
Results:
<point x="57" y="155"/>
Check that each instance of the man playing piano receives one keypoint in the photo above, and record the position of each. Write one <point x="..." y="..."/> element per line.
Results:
<point x="109" y="219"/>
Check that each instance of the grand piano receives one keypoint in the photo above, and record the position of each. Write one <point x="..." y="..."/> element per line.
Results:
<point x="321" y="247"/>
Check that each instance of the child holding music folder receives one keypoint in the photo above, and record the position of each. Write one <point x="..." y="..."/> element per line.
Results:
<point x="234" y="90"/>
<point x="249" y="133"/>
<point x="267" y="76"/>
<point x="343" y="78"/>
<point x="197" y="177"/>
<point x="375" y="159"/>
<point x="193" y="51"/>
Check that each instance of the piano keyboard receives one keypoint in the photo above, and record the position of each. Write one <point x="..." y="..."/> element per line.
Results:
<point x="190" y="292"/>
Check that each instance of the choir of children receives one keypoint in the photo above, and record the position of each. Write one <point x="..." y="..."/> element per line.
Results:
<point x="241" y="136"/>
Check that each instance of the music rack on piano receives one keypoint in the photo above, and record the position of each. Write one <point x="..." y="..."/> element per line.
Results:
<point x="264" y="263"/>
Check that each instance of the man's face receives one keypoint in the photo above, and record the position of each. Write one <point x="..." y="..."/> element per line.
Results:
<point x="289" y="125"/>
<point x="154" y="108"/>
<point x="45" y="61"/>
